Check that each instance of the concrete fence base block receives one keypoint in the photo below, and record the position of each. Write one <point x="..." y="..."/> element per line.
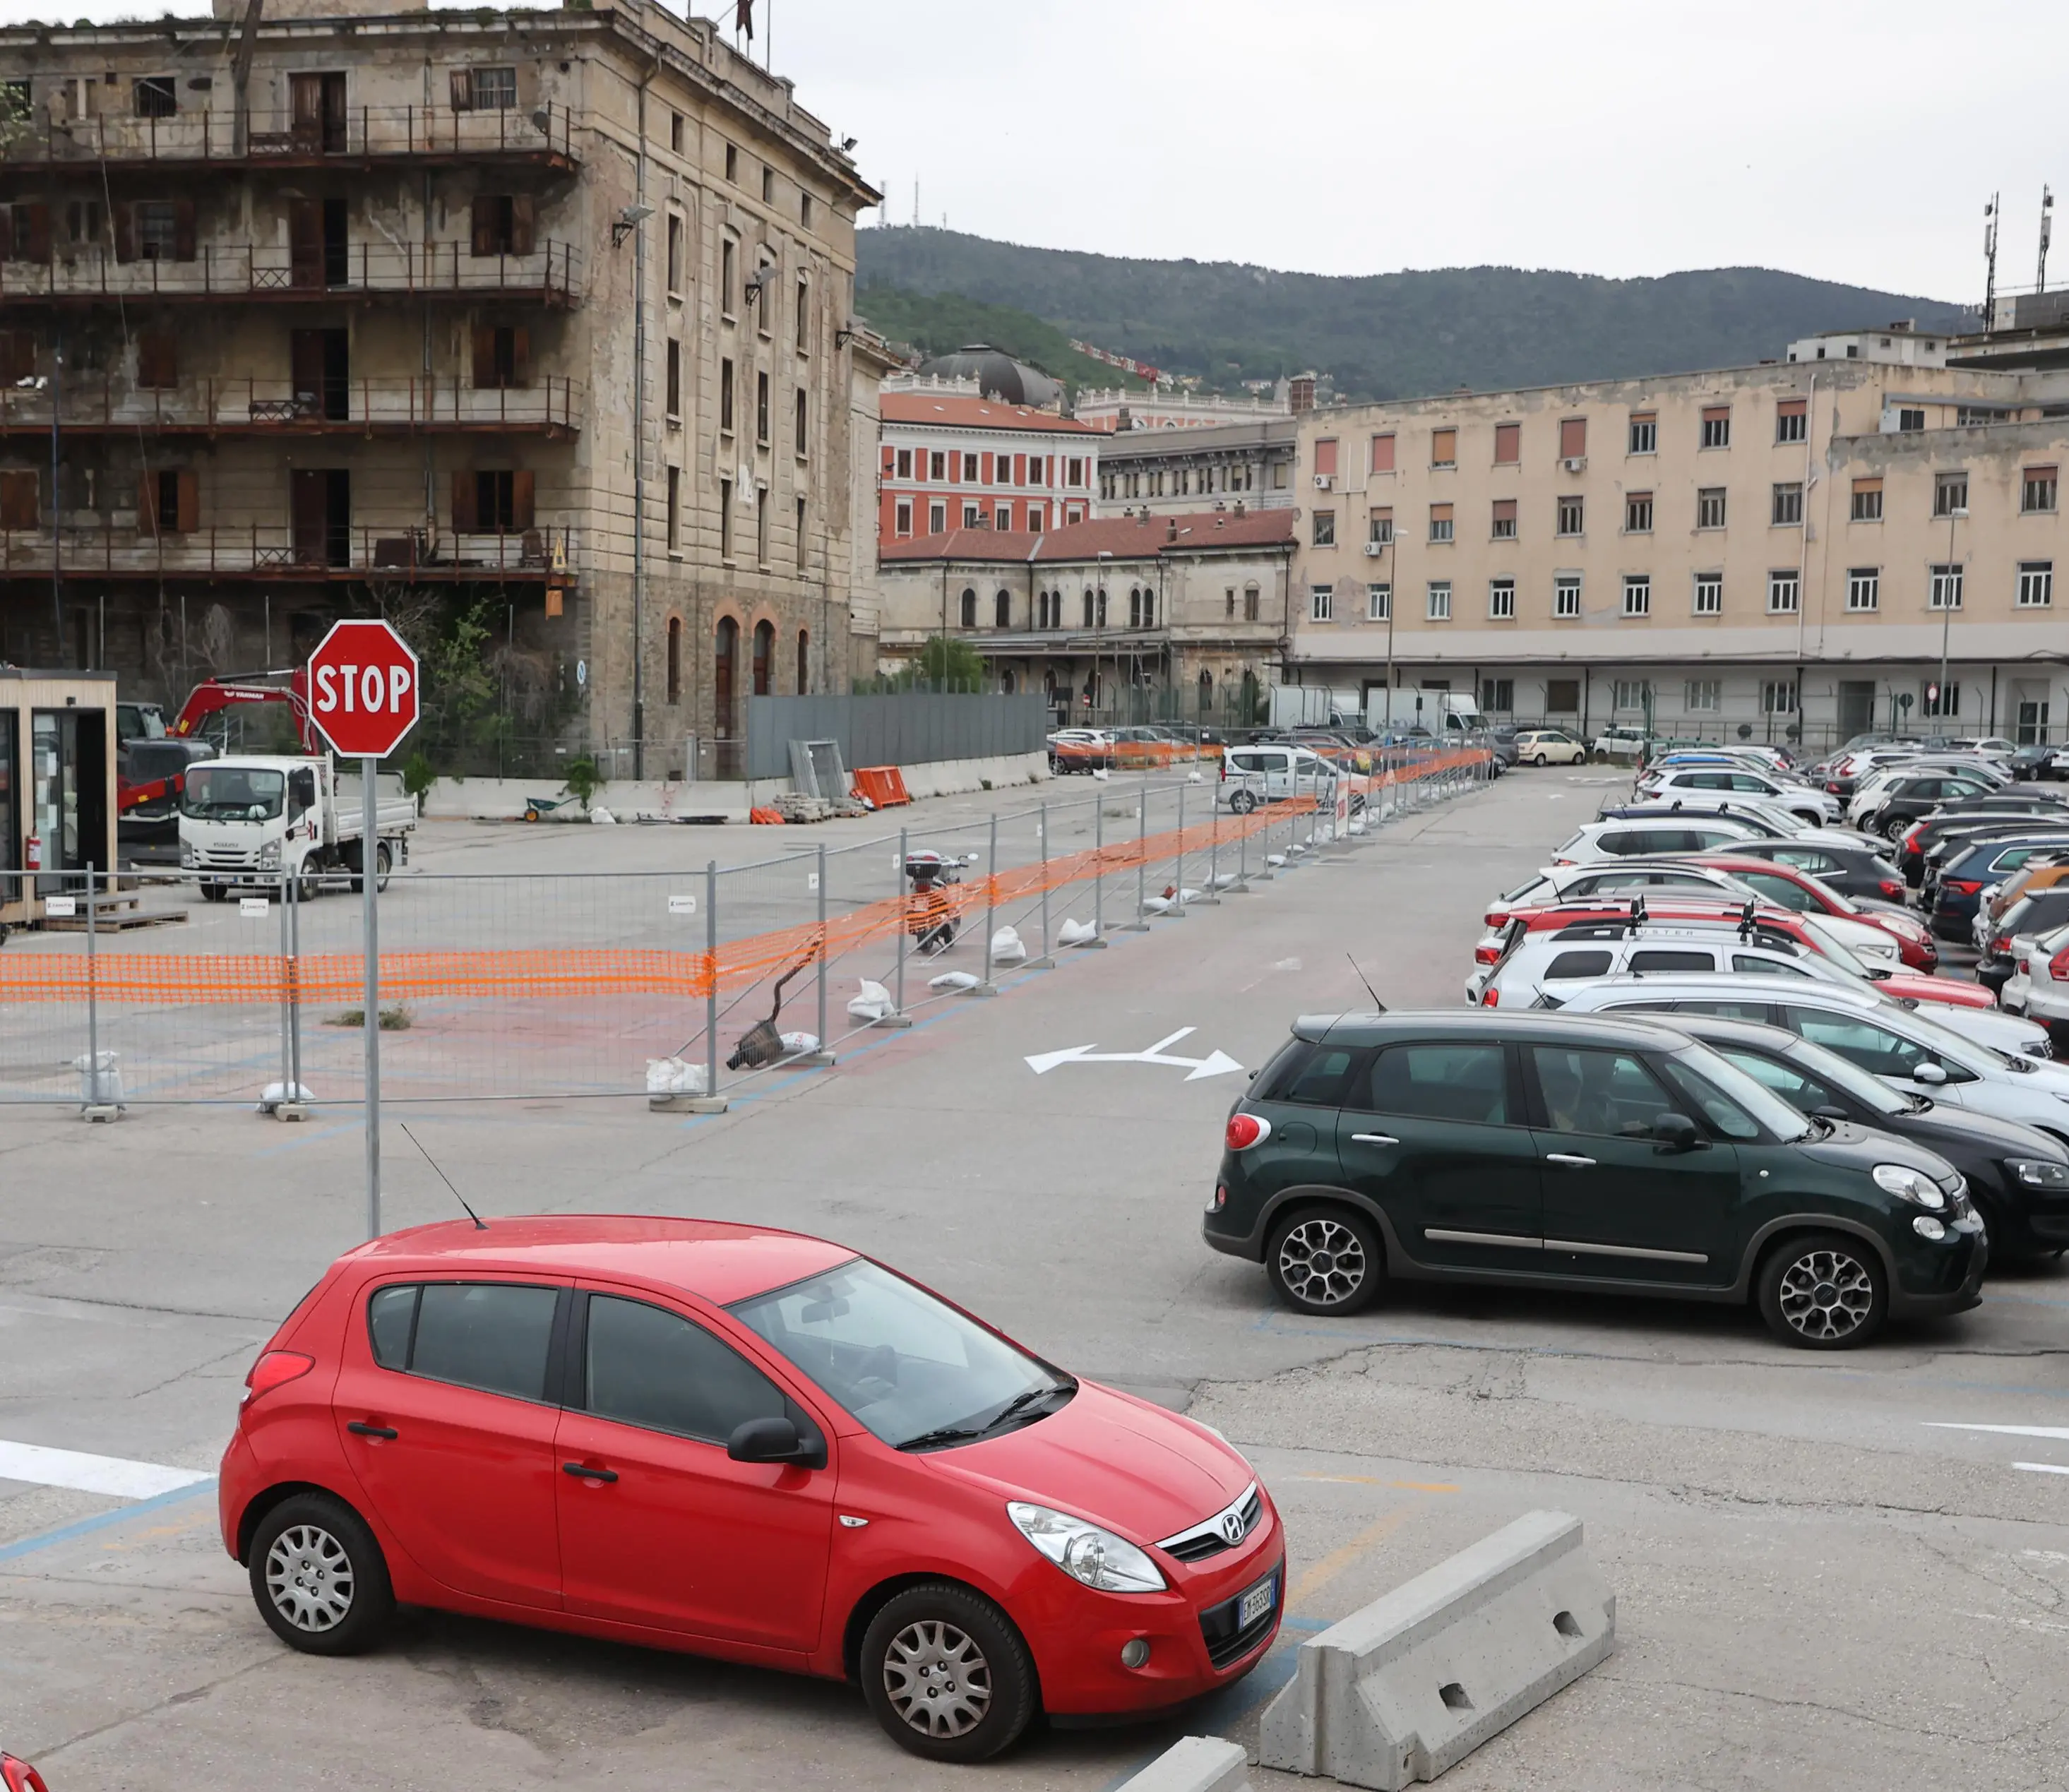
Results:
<point x="1414" y="1683"/>
<point x="1196" y="1763"/>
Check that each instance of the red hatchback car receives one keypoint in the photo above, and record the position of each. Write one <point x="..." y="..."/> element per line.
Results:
<point x="747" y="1443"/>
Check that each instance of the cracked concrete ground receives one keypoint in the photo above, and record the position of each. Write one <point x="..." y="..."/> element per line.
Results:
<point x="1813" y="1586"/>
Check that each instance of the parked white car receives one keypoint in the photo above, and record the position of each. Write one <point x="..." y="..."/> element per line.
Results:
<point x="1801" y="800"/>
<point x="1905" y="1048"/>
<point x="1549" y="746"/>
<point x="2034" y="989"/>
<point x="1269" y="773"/>
<point x="1621" y="741"/>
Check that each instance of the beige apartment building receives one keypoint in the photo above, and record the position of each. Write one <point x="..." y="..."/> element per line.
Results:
<point x="1142" y="619"/>
<point x="532" y="330"/>
<point x="1764" y="553"/>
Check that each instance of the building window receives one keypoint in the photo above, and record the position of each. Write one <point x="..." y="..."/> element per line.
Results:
<point x="1645" y="434"/>
<point x="969" y="469"/>
<point x="1908" y="420"/>
<point x="1501" y="599"/>
<point x="1325" y="528"/>
<point x="937" y="518"/>
<point x="1321" y="603"/>
<point x="675" y="132"/>
<point x="671" y="378"/>
<point x="800" y="423"/>
<point x="1440" y="522"/>
<point x="1864" y="589"/>
<point x="903" y="524"/>
<point x="1251" y="598"/>
<point x="1573" y="438"/>
<point x="761" y="525"/>
<point x="1638" y="513"/>
<point x="1572" y="516"/>
<point x="725" y="518"/>
<point x="1630" y="694"/>
<point x="725" y="414"/>
<point x="157" y="96"/>
<point x="1001" y="611"/>
<point x="1788" y="510"/>
<point x="1638" y="593"/>
<point x="493" y="89"/>
<point x="732" y="161"/>
<point x="767" y="186"/>
<point x="1703" y="696"/>
<point x="1037" y="518"/>
<point x="157" y="227"/>
<point x="675" y="251"/>
<point x="1784" y="593"/>
<point x="2036" y="584"/>
<point x="1562" y="696"/>
<point x="1939" y="700"/>
<point x="801" y="538"/>
<point x="1717" y="426"/>
<point x="1498" y="695"/>
<point x="1074" y="513"/>
<point x="674" y="523"/>
<point x="1709" y="593"/>
<point x="1439" y="597"/>
<point x="1504" y="520"/>
<point x="1946" y="593"/>
<point x="1507" y="444"/>
<point x="674" y="659"/>
<point x="1566" y="595"/>
<point x="728" y="261"/>
<point x="2038" y="490"/>
<point x="1379" y="528"/>
<point x="1325" y="459"/>
<point x="1001" y="517"/>
<point x="804" y="209"/>
<point x="157" y="361"/>
<point x="1074" y="474"/>
<point x="1792" y="421"/>
<point x="970" y="608"/>
<point x="937" y="465"/>
<point x="1950" y="495"/>
<point x="1378" y="603"/>
<point x="1382" y="455"/>
<point x="762" y="408"/>
<point x="1867" y="500"/>
<point x="1443" y="447"/>
<point x="1778" y="696"/>
<point x="971" y="513"/>
<point x="1710" y="507"/>
<point x="803" y="334"/>
<point x="1228" y="611"/>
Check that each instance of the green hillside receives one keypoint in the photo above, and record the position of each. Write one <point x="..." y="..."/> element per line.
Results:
<point x="1380" y="336"/>
<point x="937" y="323"/>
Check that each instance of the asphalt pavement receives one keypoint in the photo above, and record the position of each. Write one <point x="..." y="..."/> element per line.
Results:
<point x="1819" y="1581"/>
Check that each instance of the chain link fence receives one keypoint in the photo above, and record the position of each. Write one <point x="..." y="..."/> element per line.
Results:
<point x="681" y="986"/>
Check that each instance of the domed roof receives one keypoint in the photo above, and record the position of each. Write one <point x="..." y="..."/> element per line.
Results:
<point x="998" y="375"/>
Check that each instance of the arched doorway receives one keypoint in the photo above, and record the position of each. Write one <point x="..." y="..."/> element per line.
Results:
<point x="1206" y="690"/>
<point x="725" y="681"/>
<point x="1249" y="700"/>
<point x="765" y="651"/>
<point x="970" y="608"/>
<point x="804" y="661"/>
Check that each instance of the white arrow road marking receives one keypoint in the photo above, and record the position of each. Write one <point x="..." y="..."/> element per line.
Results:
<point x="2043" y="1467"/>
<point x="2004" y="1430"/>
<point x="1215" y="1063"/>
<point x="85" y="1474"/>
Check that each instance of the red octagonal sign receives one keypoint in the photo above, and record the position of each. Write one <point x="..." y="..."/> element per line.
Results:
<point x="363" y="688"/>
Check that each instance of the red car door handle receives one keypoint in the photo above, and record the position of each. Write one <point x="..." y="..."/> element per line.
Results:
<point x="358" y="1428"/>
<point x="582" y="1471"/>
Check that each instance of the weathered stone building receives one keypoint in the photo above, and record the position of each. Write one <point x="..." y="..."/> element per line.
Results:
<point x="532" y="328"/>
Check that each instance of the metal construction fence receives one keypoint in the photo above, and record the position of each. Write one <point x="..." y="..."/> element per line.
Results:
<point x="673" y="984"/>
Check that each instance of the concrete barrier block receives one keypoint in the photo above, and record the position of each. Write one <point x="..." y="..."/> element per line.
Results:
<point x="1414" y="1683"/>
<point x="1196" y="1763"/>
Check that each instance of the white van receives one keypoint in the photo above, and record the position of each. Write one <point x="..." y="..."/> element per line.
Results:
<point x="1271" y="773"/>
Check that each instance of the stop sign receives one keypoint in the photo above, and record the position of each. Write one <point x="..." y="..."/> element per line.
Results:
<point x="363" y="688"/>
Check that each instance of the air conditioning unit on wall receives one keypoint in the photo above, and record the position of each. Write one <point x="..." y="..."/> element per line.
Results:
<point x="1575" y="463"/>
<point x="1325" y="482"/>
<point x="1374" y="549"/>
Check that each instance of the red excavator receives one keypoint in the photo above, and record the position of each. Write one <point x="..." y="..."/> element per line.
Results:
<point x="154" y="766"/>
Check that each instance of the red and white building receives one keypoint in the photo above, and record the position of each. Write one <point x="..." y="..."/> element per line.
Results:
<point x="951" y="461"/>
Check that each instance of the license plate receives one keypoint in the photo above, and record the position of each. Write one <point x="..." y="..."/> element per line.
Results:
<point x="1256" y="1603"/>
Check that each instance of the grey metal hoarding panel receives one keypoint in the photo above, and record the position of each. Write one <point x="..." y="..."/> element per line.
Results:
<point x="912" y="729"/>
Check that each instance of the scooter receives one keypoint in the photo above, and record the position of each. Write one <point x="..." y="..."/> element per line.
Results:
<point x="930" y="912"/>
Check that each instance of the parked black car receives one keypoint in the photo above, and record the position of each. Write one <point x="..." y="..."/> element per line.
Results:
<point x="1904" y="799"/>
<point x="2030" y="764"/>
<point x="1530" y="1150"/>
<point x="1858" y="872"/>
<point x="2018" y="1177"/>
<point x="1910" y="852"/>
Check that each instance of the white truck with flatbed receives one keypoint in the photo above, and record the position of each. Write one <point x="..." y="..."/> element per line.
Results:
<point x="250" y="820"/>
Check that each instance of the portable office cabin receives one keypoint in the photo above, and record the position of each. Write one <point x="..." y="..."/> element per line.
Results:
<point x="57" y="786"/>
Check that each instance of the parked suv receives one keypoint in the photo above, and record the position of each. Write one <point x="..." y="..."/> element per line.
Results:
<point x="1604" y="1155"/>
<point x="1804" y="801"/>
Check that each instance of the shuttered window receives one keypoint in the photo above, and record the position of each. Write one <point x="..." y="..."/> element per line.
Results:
<point x="1382" y="454"/>
<point x="1573" y="438"/>
<point x="1507" y="444"/>
<point x="158" y="360"/>
<point x="1443" y="447"/>
<point x="18" y="500"/>
<point x="1325" y="456"/>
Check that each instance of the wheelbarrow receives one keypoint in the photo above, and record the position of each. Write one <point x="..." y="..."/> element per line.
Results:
<point x="535" y="807"/>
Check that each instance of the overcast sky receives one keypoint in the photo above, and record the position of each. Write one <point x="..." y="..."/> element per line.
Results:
<point x="1856" y="142"/>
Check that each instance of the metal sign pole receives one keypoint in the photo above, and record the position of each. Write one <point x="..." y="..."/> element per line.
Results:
<point x="370" y="879"/>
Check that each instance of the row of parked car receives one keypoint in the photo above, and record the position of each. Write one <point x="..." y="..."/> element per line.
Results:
<point x="1710" y="1055"/>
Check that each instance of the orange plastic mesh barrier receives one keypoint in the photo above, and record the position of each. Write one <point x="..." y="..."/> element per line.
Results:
<point x="188" y="978"/>
<point x="883" y="785"/>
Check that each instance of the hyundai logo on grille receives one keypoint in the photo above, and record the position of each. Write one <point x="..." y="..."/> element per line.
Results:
<point x="1232" y="1526"/>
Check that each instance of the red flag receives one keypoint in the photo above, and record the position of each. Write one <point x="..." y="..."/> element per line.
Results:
<point x="743" y="16"/>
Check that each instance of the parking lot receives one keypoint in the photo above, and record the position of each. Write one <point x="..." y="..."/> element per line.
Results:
<point x="1819" y="1580"/>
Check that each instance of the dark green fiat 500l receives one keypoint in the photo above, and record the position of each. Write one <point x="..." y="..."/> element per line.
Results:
<point x="1565" y="1151"/>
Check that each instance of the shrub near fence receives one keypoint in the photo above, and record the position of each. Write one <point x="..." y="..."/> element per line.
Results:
<point x="530" y="985"/>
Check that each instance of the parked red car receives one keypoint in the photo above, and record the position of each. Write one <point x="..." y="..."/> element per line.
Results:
<point x="1792" y="888"/>
<point x="747" y="1443"/>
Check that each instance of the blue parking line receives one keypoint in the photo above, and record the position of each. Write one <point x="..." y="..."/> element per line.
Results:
<point x="101" y="1521"/>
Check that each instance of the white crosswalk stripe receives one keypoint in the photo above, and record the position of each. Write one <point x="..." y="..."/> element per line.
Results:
<point x="114" y="1476"/>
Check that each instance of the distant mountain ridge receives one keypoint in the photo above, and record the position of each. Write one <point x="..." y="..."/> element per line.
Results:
<point x="1384" y="335"/>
